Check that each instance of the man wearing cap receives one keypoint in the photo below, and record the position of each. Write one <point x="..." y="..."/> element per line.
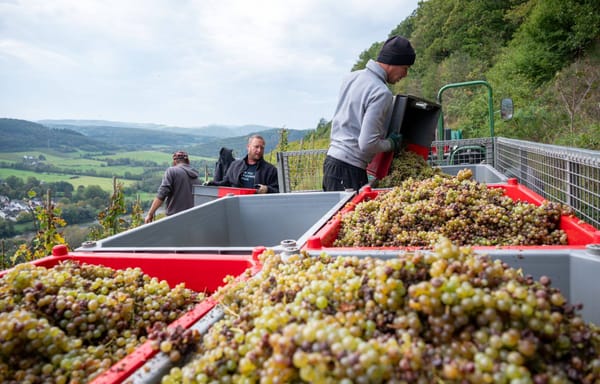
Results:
<point x="176" y="187"/>
<point x="360" y="122"/>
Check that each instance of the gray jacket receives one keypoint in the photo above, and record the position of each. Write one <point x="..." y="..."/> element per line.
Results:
<point x="176" y="188"/>
<point x="360" y="124"/>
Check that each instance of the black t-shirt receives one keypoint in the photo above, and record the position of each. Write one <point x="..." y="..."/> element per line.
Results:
<point x="247" y="178"/>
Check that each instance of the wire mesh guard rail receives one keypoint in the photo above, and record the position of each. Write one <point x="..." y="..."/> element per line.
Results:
<point x="462" y="151"/>
<point x="562" y="174"/>
<point x="301" y="171"/>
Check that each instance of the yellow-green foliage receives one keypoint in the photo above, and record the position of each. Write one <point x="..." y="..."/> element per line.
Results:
<point x="48" y="222"/>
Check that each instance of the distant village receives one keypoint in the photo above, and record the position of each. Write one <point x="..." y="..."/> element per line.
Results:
<point x="10" y="209"/>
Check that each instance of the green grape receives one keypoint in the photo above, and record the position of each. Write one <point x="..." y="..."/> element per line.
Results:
<point x="71" y="322"/>
<point x="421" y="211"/>
<point x="455" y="316"/>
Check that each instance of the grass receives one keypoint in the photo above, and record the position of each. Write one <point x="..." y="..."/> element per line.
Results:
<point x="76" y="162"/>
<point x="73" y="163"/>
<point x="106" y="183"/>
<point x="145" y="196"/>
<point x="156" y="156"/>
<point x="52" y="157"/>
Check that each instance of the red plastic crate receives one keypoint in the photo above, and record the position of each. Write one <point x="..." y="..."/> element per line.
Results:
<point x="200" y="272"/>
<point x="205" y="193"/>
<point x="517" y="191"/>
<point x="224" y="191"/>
<point x="416" y="119"/>
<point x="579" y="233"/>
<point x="379" y="167"/>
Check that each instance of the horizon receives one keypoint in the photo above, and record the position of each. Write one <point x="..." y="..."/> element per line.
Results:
<point x="194" y="64"/>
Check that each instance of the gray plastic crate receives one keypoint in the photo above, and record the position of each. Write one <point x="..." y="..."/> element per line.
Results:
<point x="231" y="224"/>
<point x="204" y="194"/>
<point x="482" y="173"/>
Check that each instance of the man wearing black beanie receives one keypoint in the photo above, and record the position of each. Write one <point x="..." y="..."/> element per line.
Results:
<point x="361" y="119"/>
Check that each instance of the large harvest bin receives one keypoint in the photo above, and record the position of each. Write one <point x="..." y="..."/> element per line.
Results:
<point x="416" y="119"/>
<point x="206" y="193"/>
<point x="573" y="272"/>
<point x="579" y="234"/>
<point x="482" y="173"/>
<point x="202" y="273"/>
<point x="232" y="224"/>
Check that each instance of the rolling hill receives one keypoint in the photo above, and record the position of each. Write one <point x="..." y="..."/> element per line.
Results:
<point x="132" y="138"/>
<point x="21" y="135"/>
<point x="238" y="144"/>
<point x="214" y="130"/>
<point x="93" y="135"/>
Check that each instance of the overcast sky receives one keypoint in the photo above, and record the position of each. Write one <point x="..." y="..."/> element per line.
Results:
<point x="188" y="63"/>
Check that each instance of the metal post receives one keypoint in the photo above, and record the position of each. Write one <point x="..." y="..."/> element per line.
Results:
<point x="466" y="84"/>
<point x="281" y="171"/>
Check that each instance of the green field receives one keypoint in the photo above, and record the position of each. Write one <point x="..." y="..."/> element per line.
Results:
<point x="72" y="164"/>
<point x="76" y="162"/>
<point x="157" y="157"/>
<point x="105" y="183"/>
<point x="66" y="159"/>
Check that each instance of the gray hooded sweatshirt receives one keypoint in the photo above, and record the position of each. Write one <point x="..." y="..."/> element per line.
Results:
<point x="176" y="188"/>
<point x="360" y="123"/>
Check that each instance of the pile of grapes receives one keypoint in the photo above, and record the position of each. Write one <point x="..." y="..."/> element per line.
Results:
<point x="417" y="213"/>
<point x="407" y="165"/>
<point x="69" y="323"/>
<point x="444" y="316"/>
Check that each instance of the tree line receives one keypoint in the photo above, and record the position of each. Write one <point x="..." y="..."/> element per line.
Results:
<point x="78" y="205"/>
<point x="49" y="223"/>
<point x="545" y="55"/>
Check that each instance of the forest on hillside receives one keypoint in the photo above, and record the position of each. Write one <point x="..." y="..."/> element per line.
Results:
<point x="544" y="54"/>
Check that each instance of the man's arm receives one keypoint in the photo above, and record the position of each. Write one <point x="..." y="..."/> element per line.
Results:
<point x="374" y="126"/>
<point x="156" y="203"/>
<point x="270" y="179"/>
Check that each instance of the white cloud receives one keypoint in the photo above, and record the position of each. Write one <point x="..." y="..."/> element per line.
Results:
<point x="34" y="56"/>
<point x="185" y="62"/>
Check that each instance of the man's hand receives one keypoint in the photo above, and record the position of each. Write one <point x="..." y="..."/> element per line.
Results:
<point x="396" y="140"/>
<point x="260" y="188"/>
<point x="149" y="218"/>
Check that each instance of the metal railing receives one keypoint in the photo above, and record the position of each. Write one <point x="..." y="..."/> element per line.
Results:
<point x="302" y="171"/>
<point x="562" y="174"/>
<point x="567" y="175"/>
<point x="462" y="151"/>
